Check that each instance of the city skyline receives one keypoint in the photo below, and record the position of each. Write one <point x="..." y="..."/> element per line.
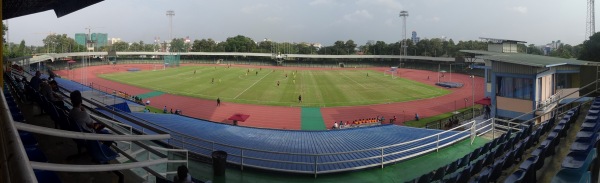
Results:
<point x="316" y="21"/>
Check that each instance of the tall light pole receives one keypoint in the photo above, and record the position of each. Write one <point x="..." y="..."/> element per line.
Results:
<point x="403" y="15"/>
<point x="170" y="14"/>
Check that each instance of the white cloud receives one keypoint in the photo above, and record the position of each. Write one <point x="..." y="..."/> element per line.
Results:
<point x="358" y="15"/>
<point x="321" y="2"/>
<point x="435" y="19"/>
<point x="254" y="8"/>
<point x="520" y="9"/>
<point x="389" y="4"/>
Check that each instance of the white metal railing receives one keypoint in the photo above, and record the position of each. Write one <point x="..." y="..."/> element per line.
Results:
<point x="94" y="168"/>
<point x="544" y="104"/>
<point x="12" y="152"/>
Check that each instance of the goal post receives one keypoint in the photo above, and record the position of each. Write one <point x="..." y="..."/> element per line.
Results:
<point x="392" y="72"/>
<point x="159" y="67"/>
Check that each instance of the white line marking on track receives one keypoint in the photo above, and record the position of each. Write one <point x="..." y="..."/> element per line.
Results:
<point x="251" y="85"/>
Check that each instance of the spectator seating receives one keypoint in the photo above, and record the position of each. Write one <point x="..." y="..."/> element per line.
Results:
<point x="291" y="141"/>
<point x="580" y="164"/>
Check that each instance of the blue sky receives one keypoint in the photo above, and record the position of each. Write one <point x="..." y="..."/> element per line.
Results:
<point x="316" y="21"/>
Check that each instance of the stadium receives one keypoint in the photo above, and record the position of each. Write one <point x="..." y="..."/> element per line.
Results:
<point x="494" y="115"/>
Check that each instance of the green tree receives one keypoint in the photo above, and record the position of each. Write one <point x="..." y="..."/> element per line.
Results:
<point x="532" y="49"/>
<point x="151" y="47"/>
<point x="137" y="46"/>
<point x="350" y="47"/>
<point x="204" y="45"/>
<point x="590" y="48"/>
<point x="304" y="48"/>
<point x="178" y="45"/>
<point x="239" y="43"/>
<point x="120" y="46"/>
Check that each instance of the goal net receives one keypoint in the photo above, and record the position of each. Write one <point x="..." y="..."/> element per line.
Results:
<point x="159" y="67"/>
<point x="393" y="72"/>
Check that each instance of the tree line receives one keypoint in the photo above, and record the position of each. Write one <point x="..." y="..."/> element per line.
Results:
<point x="435" y="47"/>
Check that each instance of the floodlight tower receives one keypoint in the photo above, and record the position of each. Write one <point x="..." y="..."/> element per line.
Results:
<point x="403" y="15"/>
<point x="170" y="14"/>
<point x="590" y="27"/>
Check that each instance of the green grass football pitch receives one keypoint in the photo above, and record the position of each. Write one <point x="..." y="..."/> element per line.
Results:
<point x="320" y="88"/>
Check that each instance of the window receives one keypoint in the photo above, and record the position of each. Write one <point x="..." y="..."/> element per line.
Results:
<point x="521" y="88"/>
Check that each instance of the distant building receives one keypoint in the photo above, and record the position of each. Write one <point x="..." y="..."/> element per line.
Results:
<point x="99" y="39"/>
<point x="551" y="47"/>
<point x="80" y="38"/>
<point x="414" y="37"/>
<point x="112" y="41"/>
<point x="96" y="40"/>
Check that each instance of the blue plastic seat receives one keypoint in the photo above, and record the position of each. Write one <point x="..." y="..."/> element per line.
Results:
<point x="474" y="155"/>
<point x="35" y="154"/>
<point x="508" y="160"/>
<point x="100" y="152"/>
<point x="439" y="174"/>
<point x="426" y="178"/>
<point x="476" y="168"/>
<point x="464" y="176"/>
<point x="452" y="167"/>
<point x="579" y="159"/>
<point x="529" y="166"/>
<point x="516" y="177"/>
<point x="27" y="139"/>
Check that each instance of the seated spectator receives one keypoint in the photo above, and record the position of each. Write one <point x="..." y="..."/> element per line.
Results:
<point x="36" y="81"/>
<point x="335" y="125"/>
<point x="55" y="97"/>
<point x="183" y="175"/>
<point x="80" y="116"/>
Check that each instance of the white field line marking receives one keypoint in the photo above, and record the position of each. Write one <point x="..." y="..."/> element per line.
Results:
<point x="353" y="80"/>
<point x="252" y="85"/>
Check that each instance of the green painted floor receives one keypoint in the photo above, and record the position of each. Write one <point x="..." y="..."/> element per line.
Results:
<point x="399" y="172"/>
<point x="312" y="119"/>
<point x="150" y="94"/>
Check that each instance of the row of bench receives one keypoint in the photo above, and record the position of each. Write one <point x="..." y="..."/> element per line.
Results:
<point x="29" y="142"/>
<point x="581" y="163"/>
<point x="487" y="163"/>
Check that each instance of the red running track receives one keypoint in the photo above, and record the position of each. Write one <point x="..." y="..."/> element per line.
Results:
<point x="278" y="117"/>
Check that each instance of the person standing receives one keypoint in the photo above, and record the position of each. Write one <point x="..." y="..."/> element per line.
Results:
<point x="165" y="109"/>
<point x="299" y="98"/>
<point x="218" y="101"/>
<point x="417" y="116"/>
